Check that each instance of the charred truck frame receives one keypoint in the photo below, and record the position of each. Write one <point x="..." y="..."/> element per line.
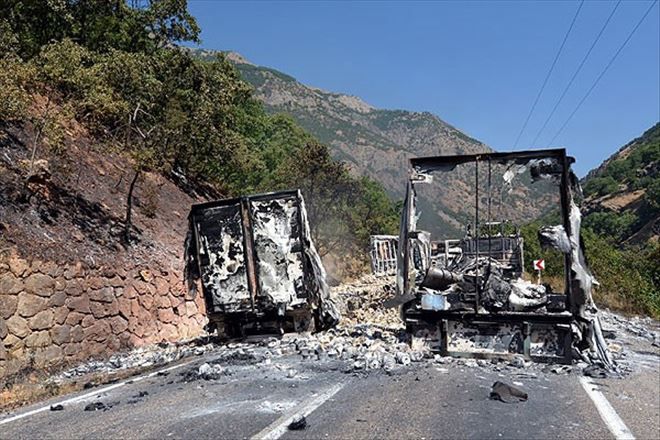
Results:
<point x="468" y="297"/>
<point x="259" y="270"/>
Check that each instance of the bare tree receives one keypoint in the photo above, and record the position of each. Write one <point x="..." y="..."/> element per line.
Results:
<point x="143" y="136"/>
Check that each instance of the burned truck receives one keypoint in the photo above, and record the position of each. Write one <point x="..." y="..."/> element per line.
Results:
<point x="472" y="296"/>
<point x="257" y="265"/>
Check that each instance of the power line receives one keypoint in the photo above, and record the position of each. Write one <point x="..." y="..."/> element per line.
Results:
<point x="593" y="86"/>
<point x="554" y="62"/>
<point x="570" y="83"/>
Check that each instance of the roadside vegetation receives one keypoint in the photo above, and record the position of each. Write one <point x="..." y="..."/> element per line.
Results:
<point x="116" y="67"/>
<point x="621" y="244"/>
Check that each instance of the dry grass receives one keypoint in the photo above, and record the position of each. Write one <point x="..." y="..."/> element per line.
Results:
<point x="30" y="386"/>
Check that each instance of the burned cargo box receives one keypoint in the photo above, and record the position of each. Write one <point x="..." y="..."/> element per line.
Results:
<point x="476" y="295"/>
<point x="259" y="270"/>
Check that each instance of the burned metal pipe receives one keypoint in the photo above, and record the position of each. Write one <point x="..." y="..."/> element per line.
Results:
<point x="439" y="279"/>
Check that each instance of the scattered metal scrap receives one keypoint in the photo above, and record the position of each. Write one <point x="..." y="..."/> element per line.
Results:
<point x="507" y="393"/>
<point x="468" y="297"/>
<point x="382" y="250"/>
<point x="258" y="266"/>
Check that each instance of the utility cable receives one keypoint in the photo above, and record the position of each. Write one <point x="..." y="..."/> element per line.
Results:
<point x="547" y="77"/>
<point x="593" y="86"/>
<point x="570" y="83"/>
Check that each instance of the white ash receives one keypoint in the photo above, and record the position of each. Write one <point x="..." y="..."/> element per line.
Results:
<point x="142" y="357"/>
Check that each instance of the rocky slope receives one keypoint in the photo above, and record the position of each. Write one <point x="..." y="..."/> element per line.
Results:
<point x="378" y="142"/>
<point x="623" y="193"/>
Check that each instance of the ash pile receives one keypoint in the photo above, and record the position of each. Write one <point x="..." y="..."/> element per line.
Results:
<point x="369" y="335"/>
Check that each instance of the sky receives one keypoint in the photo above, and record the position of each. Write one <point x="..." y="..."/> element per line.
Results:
<point x="477" y="65"/>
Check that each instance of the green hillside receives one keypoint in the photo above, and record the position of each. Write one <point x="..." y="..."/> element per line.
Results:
<point x="118" y="70"/>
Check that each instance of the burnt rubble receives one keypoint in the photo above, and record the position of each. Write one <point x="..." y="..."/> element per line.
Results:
<point x="369" y="340"/>
<point x="470" y="296"/>
<point x="257" y="265"/>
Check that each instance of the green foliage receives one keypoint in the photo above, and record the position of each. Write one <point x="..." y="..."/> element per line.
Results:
<point x="637" y="167"/>
<point x="114" y="65"/>
<point x="652" y="195"/>
<point x="614" y="226"/>
<point x="554" y="260"/>
<point x="99" y="25"/>
<point x="629" y="278"/>
<point x="601" y="186"/>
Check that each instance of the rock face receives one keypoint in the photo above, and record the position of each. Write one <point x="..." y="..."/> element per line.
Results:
<point x="53" y="315"/>
<point x="373" y="142"/>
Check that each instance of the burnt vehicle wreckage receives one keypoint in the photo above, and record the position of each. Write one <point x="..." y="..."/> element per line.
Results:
<point x="469" y="297"/>
<point x="258" y="267"/>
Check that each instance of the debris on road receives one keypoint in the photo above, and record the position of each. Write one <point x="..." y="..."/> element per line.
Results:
<point x="96" y="406"/>
<point x="56" y="407"/>
<point x="507" y="393"/>
<point x="595" y="371"/>
<point x="142" y="357"/>
<point x="560" y="369"/>
<point x="298" y="423"/>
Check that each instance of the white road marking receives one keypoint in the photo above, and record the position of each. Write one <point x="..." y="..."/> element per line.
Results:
<point x="607" y="413"/>
<point x="280" y="426"/>
<point x="92" y="393"/>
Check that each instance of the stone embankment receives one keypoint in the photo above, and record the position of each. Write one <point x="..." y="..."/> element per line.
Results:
<point x="52" y="314"/>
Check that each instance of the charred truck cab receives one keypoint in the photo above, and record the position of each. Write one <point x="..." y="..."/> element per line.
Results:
<point x="473" y="297"/>
<point x="259" y="270"/>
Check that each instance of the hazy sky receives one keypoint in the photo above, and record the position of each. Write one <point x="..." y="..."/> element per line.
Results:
<point x="477" y="65"/>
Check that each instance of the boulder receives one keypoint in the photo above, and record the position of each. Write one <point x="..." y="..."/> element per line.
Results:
<point x="9" y="284"/>
<point x="74" y="288"/>
<point x="57" y="299"/>
<point x="79" y="304"/>
<point x="30" y="305"/>
<point x="38" y="339"/>
<point x="8" y="305"/>
<point x="18" y="266"/>
<point x="105" y="294"/>
<point x="101" y="310"/>
<point x="60" y="314"/>
<point x="60" y="334"/>
<point x="124" y="307"/>
<point x="74" y="318"/>
<point x="118" y="324"/>
<point x="44" y="357"/>
<point x="42" y="320"/>
<point x="166" y="315"/>
<point x="99" y="331"/>
<point x="72" y="350"/>
<point x="88" y="321"/>
<point x="18" y="326"/>
<point x="39" y="284"/>
<point x="77" y="334"/>
<point x="74" y="271"/>
<point x="169" y="332"/>
<point x="147" y="301"/>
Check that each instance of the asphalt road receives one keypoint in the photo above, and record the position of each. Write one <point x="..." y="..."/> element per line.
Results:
<point x="424" y="400"/>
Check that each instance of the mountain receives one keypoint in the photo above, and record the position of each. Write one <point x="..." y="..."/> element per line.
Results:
<point x="378" y="142"/>
<point x="622" y="195"/>
<point x="372" y="141"/>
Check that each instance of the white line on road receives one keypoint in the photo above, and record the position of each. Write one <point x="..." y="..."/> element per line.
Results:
<point x="280" y="426"/>
<point x="92" y="393"/>
<point x="607" y="413"/>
